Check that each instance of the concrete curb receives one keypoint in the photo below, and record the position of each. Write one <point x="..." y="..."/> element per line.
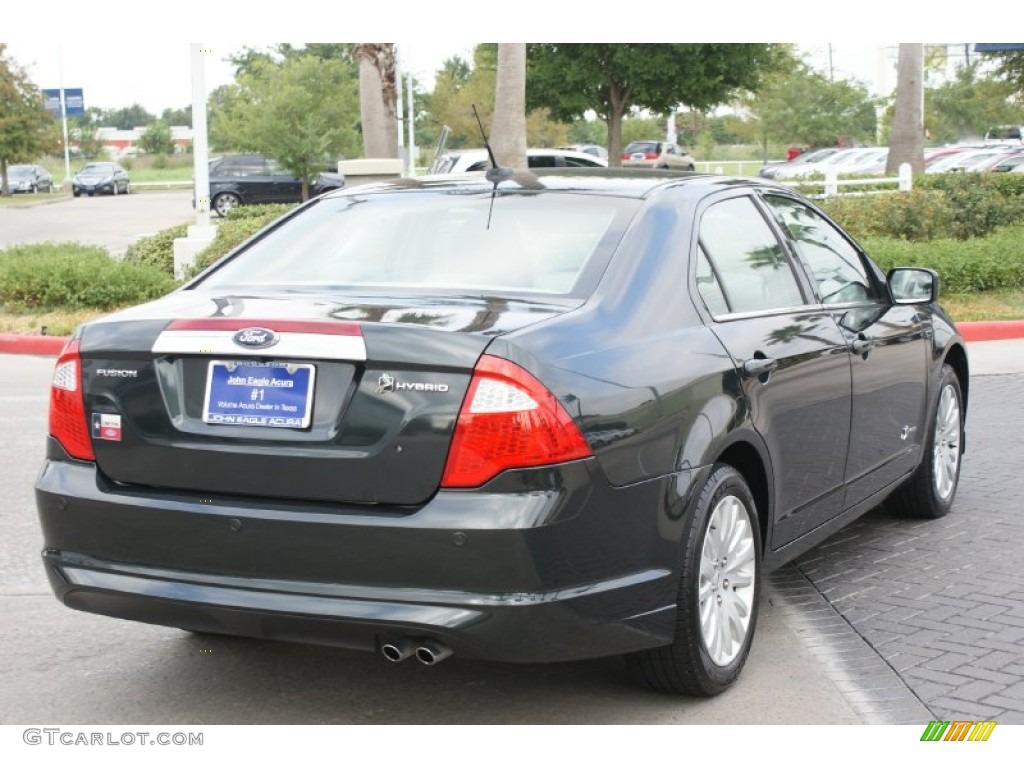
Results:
<point x="983" y="330"/>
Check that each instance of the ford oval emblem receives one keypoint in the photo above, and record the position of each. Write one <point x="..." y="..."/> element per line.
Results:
<point x="256" y="338"/>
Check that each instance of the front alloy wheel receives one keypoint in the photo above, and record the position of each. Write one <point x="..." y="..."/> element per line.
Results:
<point x="930" y="490"/>
<point x="716" y="610"/>
<point x="225" y="201"/>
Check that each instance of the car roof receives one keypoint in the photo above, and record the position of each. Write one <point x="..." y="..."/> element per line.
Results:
<point x="619" y="182"/>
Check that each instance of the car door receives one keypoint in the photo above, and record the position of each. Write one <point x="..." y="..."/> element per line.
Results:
<point x="285" y="188"/>
<point x="889" y="345"/>
<point x="792" y="357"/>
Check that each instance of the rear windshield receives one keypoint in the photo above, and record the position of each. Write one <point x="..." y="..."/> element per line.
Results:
<point x="643" y="146"/>
<point x="437" y="242"/>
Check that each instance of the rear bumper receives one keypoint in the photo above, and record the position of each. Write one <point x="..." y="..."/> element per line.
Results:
<point x="566" y="569"/>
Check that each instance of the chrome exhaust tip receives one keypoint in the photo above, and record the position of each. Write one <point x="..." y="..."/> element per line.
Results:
<point x="431" y="653"/>
<point x="400" y="650"/>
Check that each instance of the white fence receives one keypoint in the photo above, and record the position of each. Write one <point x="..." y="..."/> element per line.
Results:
<point x="904" y="182"/>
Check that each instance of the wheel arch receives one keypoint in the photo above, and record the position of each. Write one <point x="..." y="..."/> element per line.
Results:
<point x="956" y="358"/>
<point x="746" y="459"/>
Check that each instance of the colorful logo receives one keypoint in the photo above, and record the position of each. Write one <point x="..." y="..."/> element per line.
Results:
<point x="958" y="730"/>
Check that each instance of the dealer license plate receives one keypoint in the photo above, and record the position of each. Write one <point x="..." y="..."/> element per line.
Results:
<point x="259" y="394"/>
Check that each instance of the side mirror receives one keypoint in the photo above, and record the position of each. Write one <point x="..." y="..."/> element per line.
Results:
<point x="913" y="285"/>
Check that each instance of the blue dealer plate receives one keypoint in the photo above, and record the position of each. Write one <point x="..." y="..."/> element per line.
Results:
<point x="259" y="394"/>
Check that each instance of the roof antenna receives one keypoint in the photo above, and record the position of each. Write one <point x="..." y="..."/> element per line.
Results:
<point x="495" y="174"/>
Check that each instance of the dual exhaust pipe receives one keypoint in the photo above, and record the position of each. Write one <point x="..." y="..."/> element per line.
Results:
<point x="427" y="652"/>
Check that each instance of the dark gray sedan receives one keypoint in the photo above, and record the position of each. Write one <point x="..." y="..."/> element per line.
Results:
<point x="524" y="418"/>
<point x="101" y="179"/>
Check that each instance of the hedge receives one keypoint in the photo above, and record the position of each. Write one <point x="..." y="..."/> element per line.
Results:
<point x="156" y="250"/>
<point x="72" y="276"/>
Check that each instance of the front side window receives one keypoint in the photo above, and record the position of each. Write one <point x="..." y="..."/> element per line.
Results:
<point x="834" y="264"/>
<point x="747" y="258"/>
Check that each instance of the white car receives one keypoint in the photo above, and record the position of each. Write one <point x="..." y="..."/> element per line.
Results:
<point x="843" y="161"/>
<point x="466" y="160"/>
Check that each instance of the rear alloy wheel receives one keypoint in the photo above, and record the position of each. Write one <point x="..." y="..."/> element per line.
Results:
<point x="930" y="491"/>
<point x="225" y="201"/>
<point x="115" y="189"/>
<point x="716" y="612"/>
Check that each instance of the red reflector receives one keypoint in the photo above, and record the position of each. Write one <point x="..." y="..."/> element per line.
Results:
<point x="508" y="420"/>
<point x="68" y="423"/>
<point x="325" y="327"/>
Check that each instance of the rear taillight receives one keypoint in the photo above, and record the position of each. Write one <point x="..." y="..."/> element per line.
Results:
<point x="626" y="155"/>
<point x="651" y="156"/>
<point x="508" y="420"/>
<point x="68" y="424"/>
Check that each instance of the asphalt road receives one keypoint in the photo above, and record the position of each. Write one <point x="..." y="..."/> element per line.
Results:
<point x="112" y="222"/>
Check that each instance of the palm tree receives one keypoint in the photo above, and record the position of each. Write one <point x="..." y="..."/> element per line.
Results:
<point x="508" y="126"/>
<point x="378" y="98"/>
<point x="906" y="142"/>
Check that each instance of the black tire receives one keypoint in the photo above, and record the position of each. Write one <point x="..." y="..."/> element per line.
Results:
<point x="225" y="201"/>
<point x="691" y="168"/>
<point x="930" y="491"/>
<point x="76" y="193"/>
<point x="687" y="665"/>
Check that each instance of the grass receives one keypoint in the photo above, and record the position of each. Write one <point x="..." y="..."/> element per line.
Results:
<point x="56" y="323"/>
<point x="140" y="168"/>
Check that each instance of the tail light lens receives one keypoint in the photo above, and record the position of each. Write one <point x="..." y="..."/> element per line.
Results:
<point x="508" y="420"/>
<point x="626" y="155"/>
<point x="67" y="408"/>
<point x="651" y="155"/>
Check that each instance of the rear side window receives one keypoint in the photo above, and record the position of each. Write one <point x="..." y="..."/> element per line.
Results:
<point x="829" y="257"/>
<point x="747" y="259"/>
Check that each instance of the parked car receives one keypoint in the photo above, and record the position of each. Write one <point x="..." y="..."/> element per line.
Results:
<point x="591" y="149"/>
<point x="845" y="161"/>
<point x="28" y="178"/>
<point x="656" y="154"/>
<point x="101" y="177"/>
<point x="570" y="419"/>
<point x="969" y="160"/>
<point x="471" y="160"/>
<point x="253" y="179"/>
<point x="772" y="170"/>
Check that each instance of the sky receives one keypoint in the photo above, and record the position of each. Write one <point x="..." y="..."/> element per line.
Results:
<point x="122" y="60"/>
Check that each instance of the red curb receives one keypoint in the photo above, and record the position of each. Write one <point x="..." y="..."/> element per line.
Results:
<point x="992" y="330"/>
<point x="21" y="344"/>
<point x="982" y="330"/>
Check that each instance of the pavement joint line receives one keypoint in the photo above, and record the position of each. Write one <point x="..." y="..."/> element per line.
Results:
<point x="852" y="663"/>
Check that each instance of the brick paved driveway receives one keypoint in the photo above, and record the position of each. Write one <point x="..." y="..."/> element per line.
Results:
<point x="942" y="602"/>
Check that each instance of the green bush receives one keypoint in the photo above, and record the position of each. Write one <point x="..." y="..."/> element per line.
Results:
<point x="156" y="250"/>
<point x="259" y="211"/>
<point x="919" y="215"/>
<point x="953" y="205"/>
<point x="979" y="201"/>
<point x="964" y="266"/>
<point x="71" y="276"/>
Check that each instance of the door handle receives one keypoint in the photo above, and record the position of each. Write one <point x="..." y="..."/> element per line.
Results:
<point x="861" y="346"/>
<point x="759" y="366"/>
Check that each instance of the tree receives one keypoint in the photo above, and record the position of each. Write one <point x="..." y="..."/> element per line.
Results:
<point x="968" y="105"/>
<point x="378" y="99"/>
<point x="26" y="129"/>
<point x="127" y="118"/>
<point x="906" y="143"/>
<point x="458" y="87"/>
<point x="84" y="131"/>
<point x="302" y="112"/>
<point x="156" y="139"/>
<point x="807" y="108"/>
<point x="181" y="116"/>
<point x="508" y="127"/>
<point x="612" y="78"/>
<point x="1011" y="68"/>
